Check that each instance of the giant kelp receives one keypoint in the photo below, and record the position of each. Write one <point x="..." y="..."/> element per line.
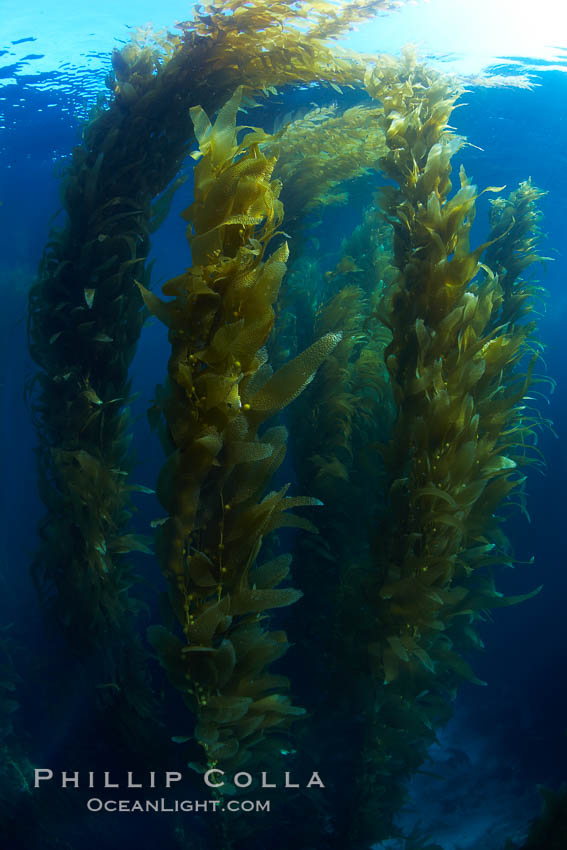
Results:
<point x="264" y="43"/>
<point x="515" y="235"/>
<point x="85" y="314"/>
<point x="409" y="320"/>
<point x="220" y="390"/>
<point x="455" y="376"/>
<point x="415" y="641"/>
<point x="457" y="442"/>
<point x="336" y="427"/>
<point x="321" y="151"/>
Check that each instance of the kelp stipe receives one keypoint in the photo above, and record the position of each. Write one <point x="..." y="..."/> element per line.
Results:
<point x="85" y="314"/>
<point x="84" y="310"/>
<point x="83" y="326"/>
<point x="220" y="390"/>
<point x="454" y="454"/>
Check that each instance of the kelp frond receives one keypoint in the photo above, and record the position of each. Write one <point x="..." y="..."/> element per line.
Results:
<point x="459" y="378"/>
<point x="213" y="484"/>
<point x="322" y="150"/>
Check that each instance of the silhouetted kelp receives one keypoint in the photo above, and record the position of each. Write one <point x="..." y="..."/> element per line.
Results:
<point x="549" y="831"/>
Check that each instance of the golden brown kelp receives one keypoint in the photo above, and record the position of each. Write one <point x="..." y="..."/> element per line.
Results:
<point x="434" y="365"/>
<point x="514" y="240"/>
<point x="266" y="43"/>
<point x="322" y="150"/>
<point x="334" y="410"/>
<point x="220" y="390"/>
<point x="259" y="44"/>
<point x="456" y="444"/>
<point x="85" y="314"/>
<point x="84" y="320"/>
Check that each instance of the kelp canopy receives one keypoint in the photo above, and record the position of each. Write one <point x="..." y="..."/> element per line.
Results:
<point x="405" y="357"/>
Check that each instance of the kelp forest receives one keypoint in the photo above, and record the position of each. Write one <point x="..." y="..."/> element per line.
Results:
<point x="341" y="438"/>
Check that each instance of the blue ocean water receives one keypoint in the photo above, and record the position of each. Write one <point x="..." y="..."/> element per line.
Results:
<point x="505" y="739"/>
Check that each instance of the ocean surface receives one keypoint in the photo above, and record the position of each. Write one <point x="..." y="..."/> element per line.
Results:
<point x="480" y="786"/>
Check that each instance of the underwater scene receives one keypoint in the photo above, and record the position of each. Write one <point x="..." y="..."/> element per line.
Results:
<point x="284" y="404"/>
